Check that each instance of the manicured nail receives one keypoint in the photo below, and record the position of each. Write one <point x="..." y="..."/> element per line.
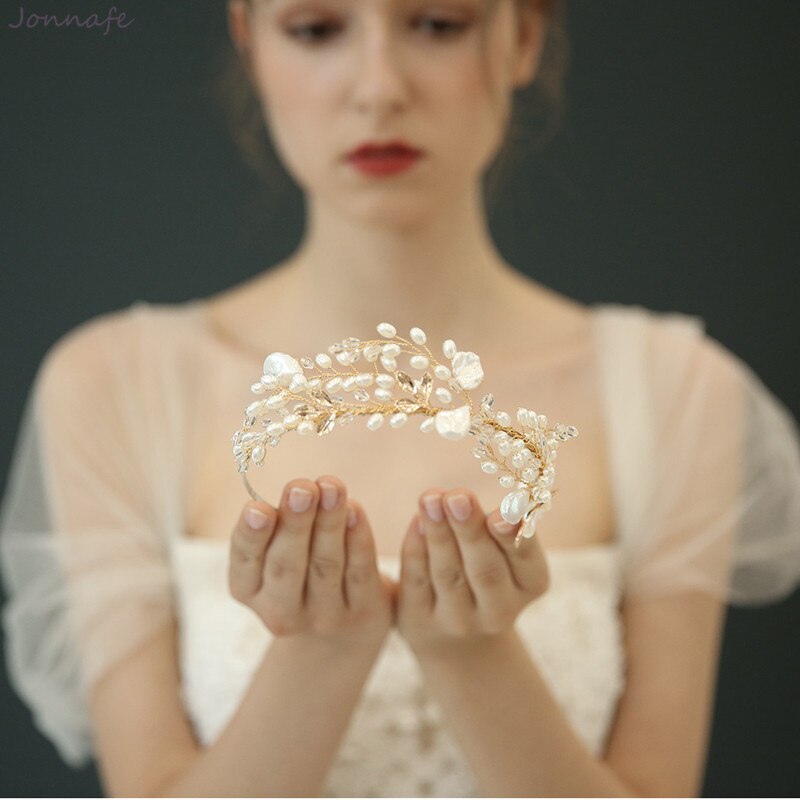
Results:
<point x="330" y="494"/>
<point x="459" y="506"/>
<point x="256" y="519"/>
<point x="433" y="507"/>
<point x="299" y="499"/>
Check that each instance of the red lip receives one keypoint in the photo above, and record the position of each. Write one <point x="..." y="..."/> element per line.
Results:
<point x="396" y="147"/>
<point x="384" y="158"/>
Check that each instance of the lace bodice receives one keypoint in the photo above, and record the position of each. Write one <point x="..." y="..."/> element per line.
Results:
<point x="397" y="744"/>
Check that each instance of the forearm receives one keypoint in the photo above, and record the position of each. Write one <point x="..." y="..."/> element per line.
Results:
<point x="285" y="734"/>
<point x="512" y="731"/>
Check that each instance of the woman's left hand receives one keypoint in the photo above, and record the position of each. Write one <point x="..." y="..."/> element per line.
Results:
<point x="460" y="578"/>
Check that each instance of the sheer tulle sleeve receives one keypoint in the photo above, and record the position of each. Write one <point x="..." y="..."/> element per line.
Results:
<point x="85" y="571"/>
<point x="719" y="510"/>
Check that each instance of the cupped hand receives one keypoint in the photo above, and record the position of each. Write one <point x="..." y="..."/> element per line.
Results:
<point x="312" y="568"/>
<point x="461" y="578"/>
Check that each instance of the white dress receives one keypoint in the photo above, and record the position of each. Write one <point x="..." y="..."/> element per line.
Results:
<point x="95" y="556"/>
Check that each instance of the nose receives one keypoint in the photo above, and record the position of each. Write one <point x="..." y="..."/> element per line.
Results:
<point x="380" y="85"/>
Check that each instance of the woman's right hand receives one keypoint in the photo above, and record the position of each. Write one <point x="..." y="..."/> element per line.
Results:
<point x="306" y="572"/>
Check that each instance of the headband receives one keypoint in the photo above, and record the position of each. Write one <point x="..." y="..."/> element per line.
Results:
<point x="326" y="397"/>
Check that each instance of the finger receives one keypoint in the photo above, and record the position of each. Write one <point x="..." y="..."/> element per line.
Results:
<point x="528" y="562"/>
<point x="286" y="562"/>
<point x="327" y="556"/>
<point x="247" y="550"/>
<point x="485" y="564"/>
<point x="361" y="574"/>
<point x="451" y="589"/>
<point x="416" y="590"/>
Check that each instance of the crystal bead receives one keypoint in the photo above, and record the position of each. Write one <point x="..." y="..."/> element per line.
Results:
<point x="333" y="384"/>
<point x="323" y="360"/>
<point x="443" y="396"/>
<point x="418" y="362"/>
<point x="479" y="452"/>
<point x="364" y="379"/>
<point x="489" y="466"/>
<point x="361" y="395"/>
<point x="371" y="352"/>
<point x="384" y="380"/>
<point x="427" y="425"/>
<point x="306" y="426"/>
<point x="398" y="419"/>
<point x="383" y="395"/>
<point x="350" y="342"/>
<point x="258" y="388"/>
<point x="307" y="362"/>
<point x="442" y="372"/>
<point x="387" y="330"/>
<point x="518" y="460"/>
<point x="541" y="421"/>
<point x="375" y="421"/>
<point x="572" y="430"/>
<point x="528" y="474"/>
<point x="449" y="348"/>
<point x="336" y="348"/>
<point x="344" y="358"/>
<point x="418" y="336"/>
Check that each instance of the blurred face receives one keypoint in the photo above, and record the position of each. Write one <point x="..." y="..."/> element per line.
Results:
<point x="436" y="74"/>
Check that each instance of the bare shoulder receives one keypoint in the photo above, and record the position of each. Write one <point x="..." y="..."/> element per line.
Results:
<point x="143" y="739"/>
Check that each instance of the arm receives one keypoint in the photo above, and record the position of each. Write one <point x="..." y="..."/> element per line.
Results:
<point x="519" y="743"/>
<point x="278" y="742"/>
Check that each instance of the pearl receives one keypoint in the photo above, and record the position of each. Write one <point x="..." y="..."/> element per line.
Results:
<point x="442" y="372"/>
<point x="418" y="362"/>
<point x="514" y="505"/>
<point x="507" y="481"/>
<point x="541" y="420"/>
<point x="255" y="407"/>
<point x="323" y="360"/>
<point x="449" y="348"/>
<point x="503" y="418"/>
<point x="489" y="466"/>
<point x="277" y="400"/>
<point x="467" y="370"/>
<point x="275" y="428"/>
<point x="427" y="425"/>
<point x="391" y="350"/>
<point x="364" y="379"/>
<point x="387" y="330"/>
<point x="270" y="381"/>
<point x="453" y="423"/>
<point x="522" y="416"/>
<point x="384" y="395"/>
<point x="306" y="426"/>
<point x="418" y="336"/>
<point x="281" y="367"/>
<point x="384" y="380"/>
<point x="258" y="388"/>
<point x="258" y="453"/>
<point x="333" y="384"/>
<point x="298" y="381"/>
<point x="398" y="419"/>
<point x="290" y="419"/>
<point x="443" y="395"/>
<point x="348" y="384"/>
<point x="388" y="363"/>
<point x="375" y="421"/>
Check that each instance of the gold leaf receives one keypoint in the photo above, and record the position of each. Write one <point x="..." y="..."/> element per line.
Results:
<point x="425" y="387"/>
<point x="325" y="425"/>
<point x="405" y="381"/>
<point x="305" y="410"/>
<point x="322" y="396"/>
<point x="404" y="404"/>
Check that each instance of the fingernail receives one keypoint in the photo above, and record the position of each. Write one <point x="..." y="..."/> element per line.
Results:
<point x="256" y="519"/>
<point x="433" y="507"/>
<point x="459" y="506"/>
<point x="299" y="499"/>
<point x="330" y="494"/>
<point x="352" y="518"/>
<point x="501" y="526"/>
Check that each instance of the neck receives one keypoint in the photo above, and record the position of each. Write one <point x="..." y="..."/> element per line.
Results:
<point x="442" y="273"/>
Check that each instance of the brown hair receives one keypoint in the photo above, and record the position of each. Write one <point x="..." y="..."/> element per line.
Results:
<point x="536" y="116"/>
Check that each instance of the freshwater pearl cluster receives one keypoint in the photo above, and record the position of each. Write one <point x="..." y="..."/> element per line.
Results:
<point x="312" y="396"/>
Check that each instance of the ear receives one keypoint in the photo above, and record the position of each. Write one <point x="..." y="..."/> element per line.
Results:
<point x="239" y="29"/>
<point x="532" y="25"/>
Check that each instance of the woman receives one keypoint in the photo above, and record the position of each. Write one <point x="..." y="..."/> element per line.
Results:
<point x="407" y="653"/>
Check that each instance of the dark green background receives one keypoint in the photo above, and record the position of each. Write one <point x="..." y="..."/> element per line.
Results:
<point x="673" y="185"/>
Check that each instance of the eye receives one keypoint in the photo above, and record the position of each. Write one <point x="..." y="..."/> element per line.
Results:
<point x="313" y="32"/>
<point x="441" y="27"/>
